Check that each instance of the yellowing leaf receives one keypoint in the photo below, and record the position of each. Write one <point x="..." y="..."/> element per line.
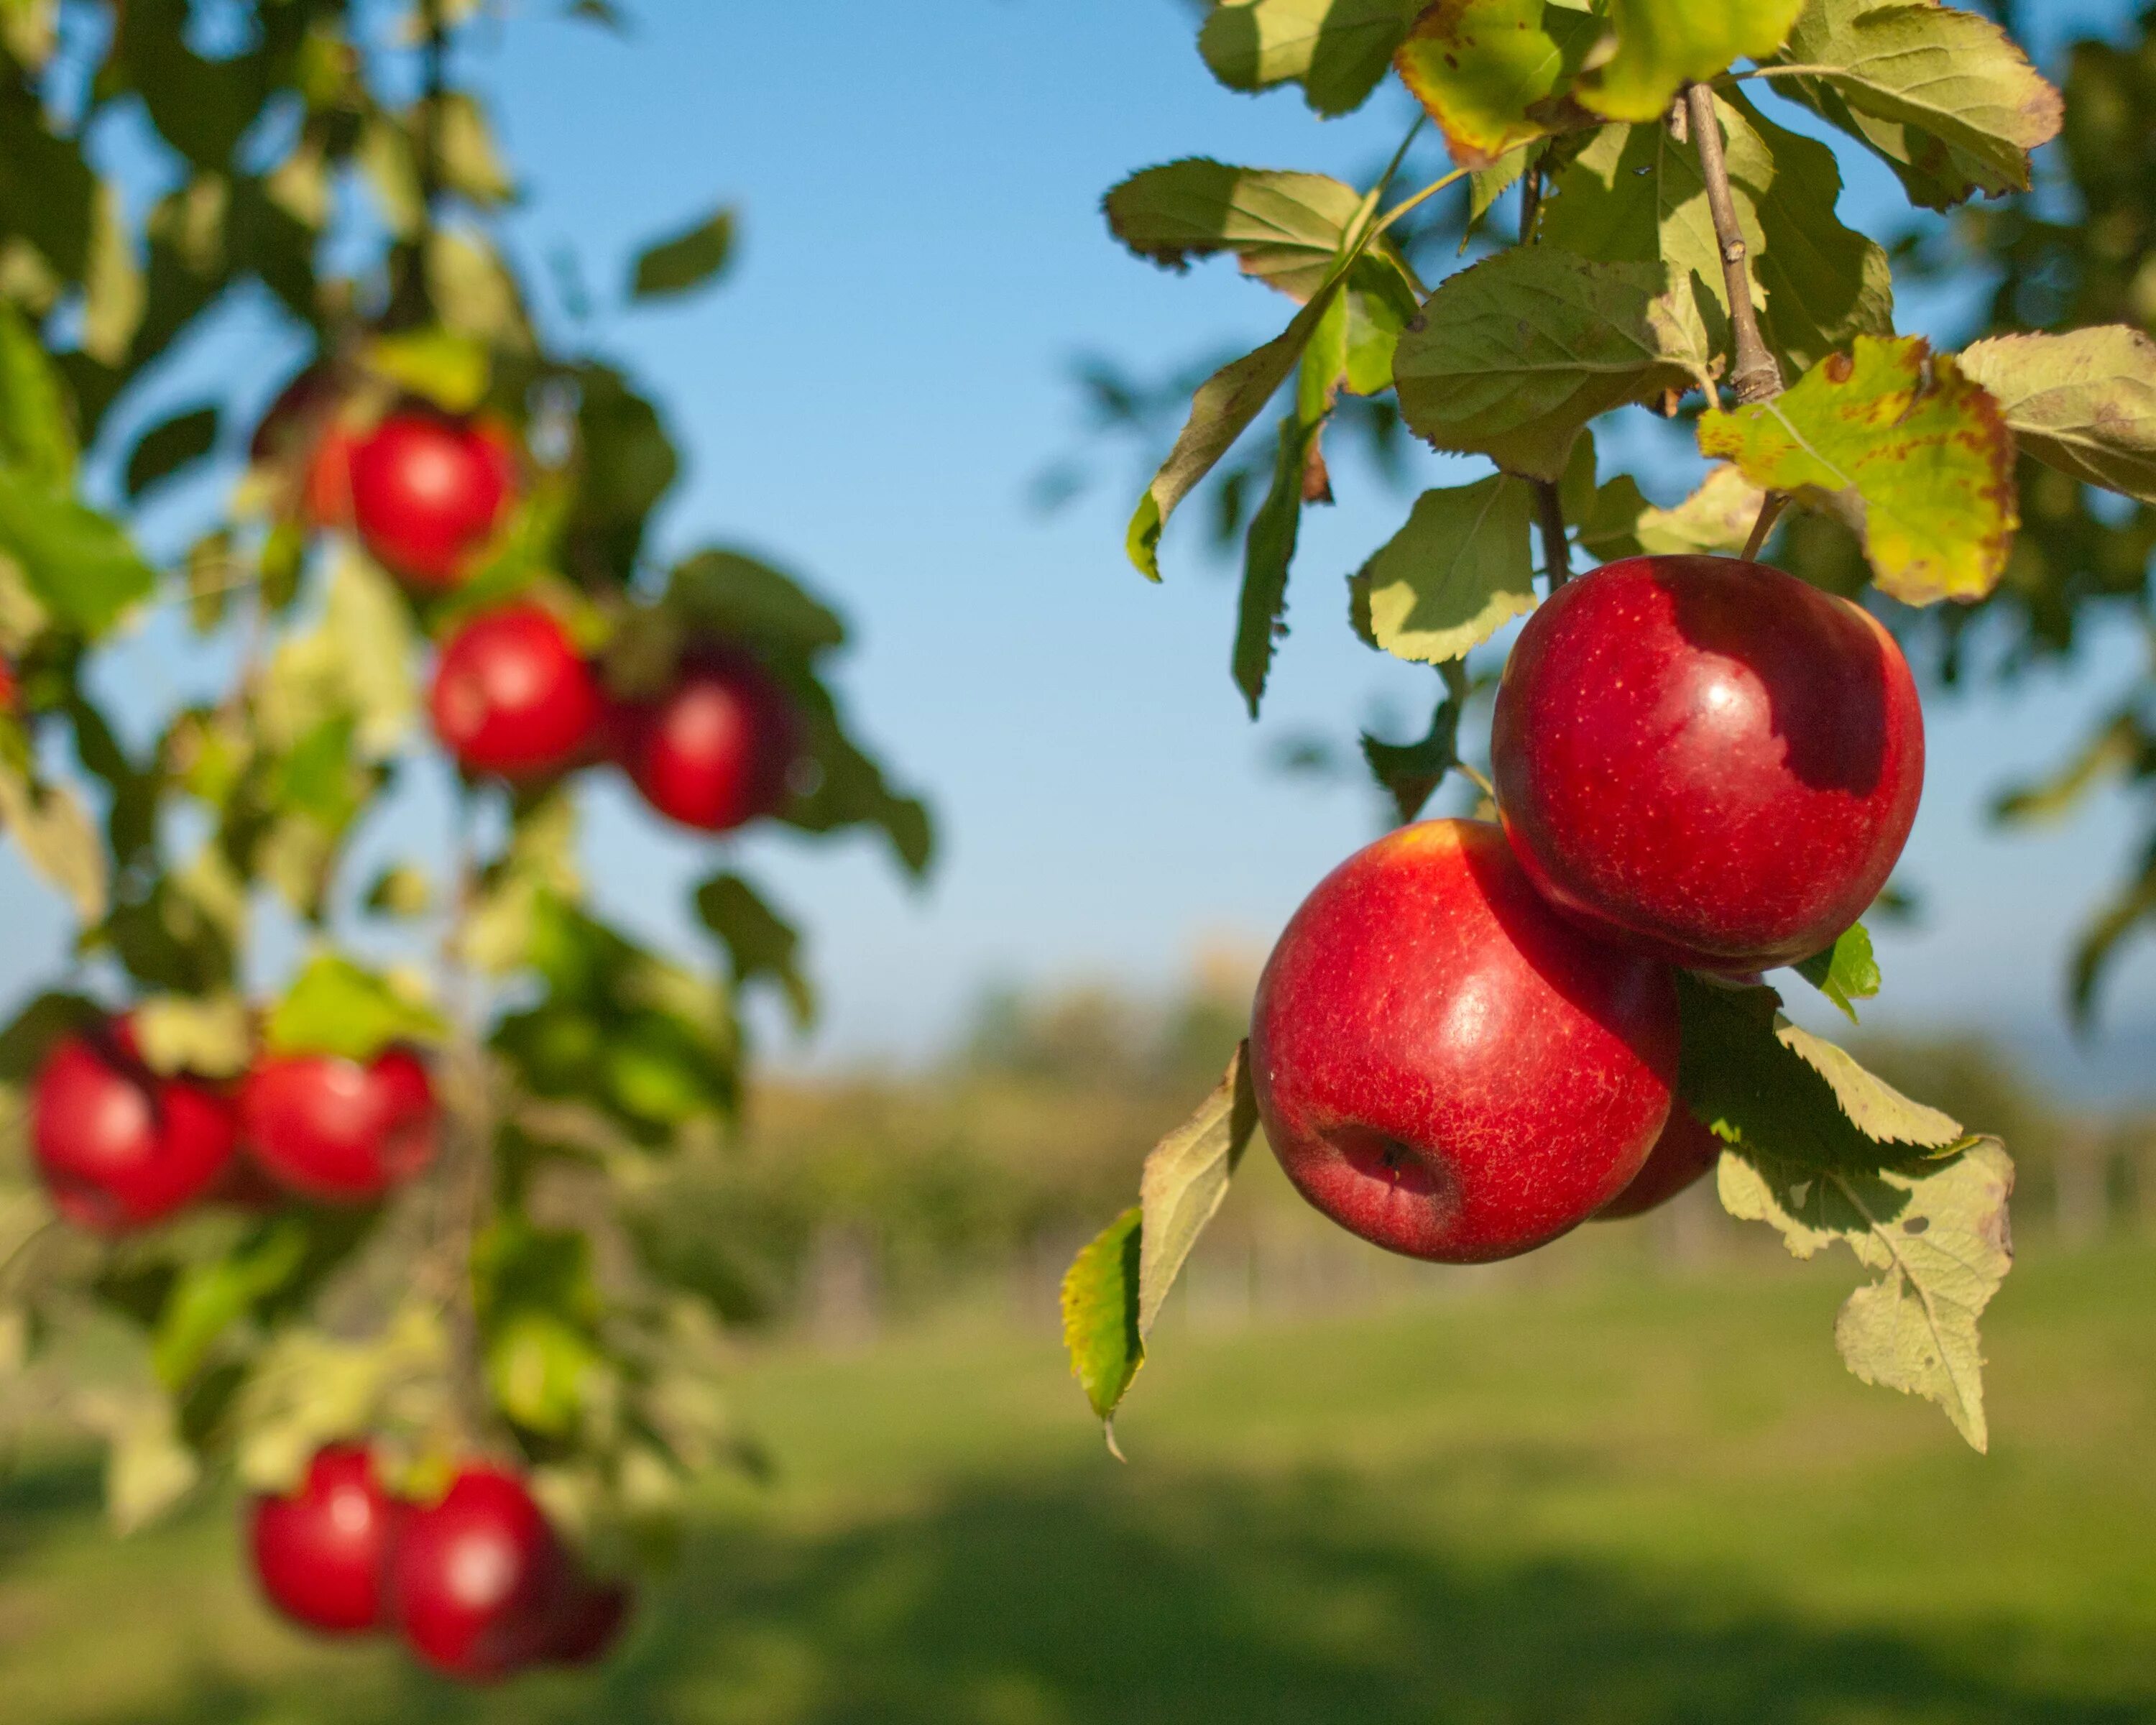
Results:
<point x="1184" y="1179"/>
<point x="1456" y="572"/>
<point x="1717" y="517"/>
<point x="1337" y="49"/>
<point x="1509" y="358"/>
<point x="1939" y="91"/>
<point x="1913" y="454"/>
<point x="2083" y="402"/>
<point x="49" y="824"/>
<point x="1938" y="1236"/>
<point x="1662" y="45"/>
<point x="1284" y="229"/>
<point x="209" y="1035"/>
<point x="1490" y="72"/>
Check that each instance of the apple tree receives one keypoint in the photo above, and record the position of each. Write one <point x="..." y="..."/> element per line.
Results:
<point x="327" y="1166"/>
<point x="1705" y="748"/>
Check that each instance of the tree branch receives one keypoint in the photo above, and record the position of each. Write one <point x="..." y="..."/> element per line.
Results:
<point x="1754" y="374"/>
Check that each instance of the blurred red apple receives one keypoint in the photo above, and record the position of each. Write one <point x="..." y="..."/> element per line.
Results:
<point x="121" y="1146"/>
<point x="427" y="492"/>
<point x="336" y="1130"/>
<point x="321" y="1553"/>
<point x="476" y="1582"/>
<point x="513" y="695"/>
<point x="1707" y="759"/>
<point x="1446" y="1067"/>
<point x="715" y="751"/>
<point x="589" y="1622"/>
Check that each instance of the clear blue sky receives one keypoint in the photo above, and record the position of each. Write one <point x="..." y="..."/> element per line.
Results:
<point x="866" y="400"/>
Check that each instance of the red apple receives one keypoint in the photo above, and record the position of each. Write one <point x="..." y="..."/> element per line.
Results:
<point x="476" y="1581"/>
<point x="7" y="689"/>
<point x="121" y="1146"/>
<point x="321" y="1553"/>
<point x="717" y="750"/>
<point x="1683" y="1154"/>
<point x="1707" y="759"/>
<point x="302" y="429"/>
<point x="336" y="1130"/>
<point x="588" y="1623"/>
<point x="1445" y="1066"/>
<point x="513" y="695"/>
<point x="427" y="492"/>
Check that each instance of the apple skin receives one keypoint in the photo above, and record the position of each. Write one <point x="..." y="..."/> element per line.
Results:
<point x="336" y="1130"/>
<point x="1684" y="1153"/>
<point x="715" y="751"/>
<point x="426" y="492"/>
<point x="121" y="1146"/>
<point x="476" y="1582"/>
<point x="1707" y="759"/>
<point x="1444" y="1065"/>
<point x="321" y="1553"/>
<point x="512" y="695"/>
<point x="589" y="1622"/>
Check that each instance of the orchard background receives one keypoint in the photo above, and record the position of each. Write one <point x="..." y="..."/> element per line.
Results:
<point x="1626" y="1480"/>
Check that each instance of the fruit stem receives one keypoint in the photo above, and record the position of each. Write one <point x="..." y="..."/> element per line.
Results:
<point x="1754" y="375"/>
<point x="1764" y="525"/>
<point x="1549" y="505"/>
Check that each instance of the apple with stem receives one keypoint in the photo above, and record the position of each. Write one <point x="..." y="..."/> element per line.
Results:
<point x="513" y="695"/>
<point x="426" y="492"/>
<point x="321" y="1551"/>
<point x="1707" y="759"/>
<point x="1446" y="1067"/>
<point x="718" y="749"/>
<point x="477" y="1581"/>
<point x="119" y="1145"/>
<point x="339" y="1130"/>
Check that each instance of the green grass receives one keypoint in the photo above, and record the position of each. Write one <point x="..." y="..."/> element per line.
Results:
<point x="1597" y="1502"/>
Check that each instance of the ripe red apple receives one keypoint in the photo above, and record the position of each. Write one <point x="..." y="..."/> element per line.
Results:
<point x="1707" y="759"/>
<point x="321" y="1553"/>
<point x="513" y="695"/>
<point x="426" y="492"/>
<point x="1684" y="1152"/>
<point x="476" y="1581"/>
<point x="588" y="1623"/>
<point x="121" y="1146"/>
<point x="1446" y="1067"/>
<point x="338" y="1131"/>
<point x="715" y="751"/>
<point x="8" y="691"/>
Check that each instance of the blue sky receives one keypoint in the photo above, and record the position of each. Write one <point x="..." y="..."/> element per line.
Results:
<point x="867" y="399"/>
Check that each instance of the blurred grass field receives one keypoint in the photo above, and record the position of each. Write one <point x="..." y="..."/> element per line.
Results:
<point x="1610" y="1499"/>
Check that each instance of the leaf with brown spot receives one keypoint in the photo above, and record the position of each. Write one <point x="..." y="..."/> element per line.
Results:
<point x="1492" y="73"/>
<point x="2083" y="402"/>
<point x="1913" y="454"/>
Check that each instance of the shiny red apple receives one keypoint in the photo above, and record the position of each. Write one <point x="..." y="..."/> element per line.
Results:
<point x="513" y="695"/>
<point x="717" y="749"/>
<point x="1707" y="759"/>
<point x="1446" y="1067"/>
<point x="336" y="1129"/>
<point x="427" y="492"/>
<point x="119" y="1145"/>
<point x="477" y="1581"/>
<point x="321" y="1553"/>
<point x="1686" y="1152"/>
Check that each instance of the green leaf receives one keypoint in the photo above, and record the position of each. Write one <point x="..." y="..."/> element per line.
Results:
<point x="1937" y="1234"/>
<point x="452" y="371"/>
<point x="1492" y="73"/>
<point x="1456" y="572"/>
<point x="2115" y="749"/>
<point x="1942" y="94"/>
<point x="168" y="446"/>
<point x="1662" y="45"/>
<point x="1269" y="548"/>
<point x="1100" y="1316"/>
<point x="208" y="1035"/>
<point x="726" y="593"/>
<point x="2132" y="906"/>
<point x="1409" y="772"/>
<point x="1898" y="443"/>
<point x="540" y="864"/>
<point x="357" y="665"/>
<point x="759" y="941"/>
<point x="1846" y="972"/>
<point x="334" y="1007"/>
<point x="1220" y="412"/>
<point x="56" y="836"/>
<point x="36" y="433"/>
<point x="1635" y="192"/>
<point x="147" y="1468"/>
<point x="542" y="1372"/>
<point x="41" y="1024"/>
<point x="213" y="1295"/>
<point x="469" y="163"/>
<point x="81" y="565"/>
<point x="2083" y="402"/>
<point x="1285" y="229"/>
<point x="684" y="261"/>
<point x="1511" y="358"/>
<point x="1337" y="49"/>
<point x="1184" y="1179"/>
<point x="1764" y="1085"/>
